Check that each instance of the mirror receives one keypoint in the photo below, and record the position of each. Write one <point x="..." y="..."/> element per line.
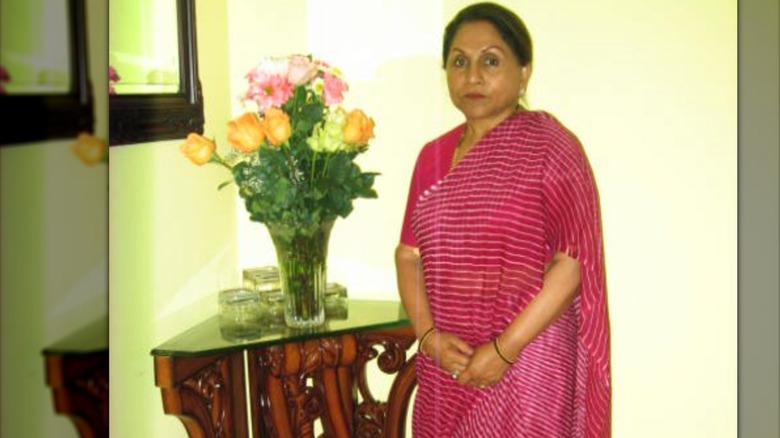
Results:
<point x="145" y="57"/>
<point x="43" y="54"/>
<point x="37" y="62"/>
<point x="155" y="93"/>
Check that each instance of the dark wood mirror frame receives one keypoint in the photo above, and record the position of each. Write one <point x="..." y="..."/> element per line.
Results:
<point x="36" y="117"/>
<point x="144" y="118"/>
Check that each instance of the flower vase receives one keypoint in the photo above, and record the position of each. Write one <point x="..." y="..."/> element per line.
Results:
<point x="302" y="258"/>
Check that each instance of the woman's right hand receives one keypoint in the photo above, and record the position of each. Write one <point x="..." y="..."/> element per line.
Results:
<point x="451" y="353"/>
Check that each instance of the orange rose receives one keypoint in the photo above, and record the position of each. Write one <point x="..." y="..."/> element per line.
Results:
<point x="276" y="126"/>
<point x="246" y="133"/>
<point x="358" y="128"/>
<point x="89" y="149"/>
<point x="198" y="149"/>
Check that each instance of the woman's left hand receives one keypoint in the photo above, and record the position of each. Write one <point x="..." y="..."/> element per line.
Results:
<point x="485" y="368"/>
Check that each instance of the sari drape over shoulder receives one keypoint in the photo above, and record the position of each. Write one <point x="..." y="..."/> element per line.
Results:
<point x="485" y="231"/>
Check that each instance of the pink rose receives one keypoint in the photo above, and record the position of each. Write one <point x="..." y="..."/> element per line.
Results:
<point x="333" y="89"/>
<point x="113" y="76"/>
<point x="300" y="70"/>
<point x="266" y="68"/>
<point x="4" y="77"/>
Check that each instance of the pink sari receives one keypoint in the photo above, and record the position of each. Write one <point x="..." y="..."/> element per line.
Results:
<point x="485" y="231"/>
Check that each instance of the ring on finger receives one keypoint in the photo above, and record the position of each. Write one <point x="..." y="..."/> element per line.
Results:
<point x="455" y="375"/>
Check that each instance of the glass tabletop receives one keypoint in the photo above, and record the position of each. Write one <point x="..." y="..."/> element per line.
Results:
<point x="207" y="338"/>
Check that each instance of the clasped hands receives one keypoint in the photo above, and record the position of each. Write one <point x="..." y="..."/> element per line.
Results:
<point x="479" y="367"/>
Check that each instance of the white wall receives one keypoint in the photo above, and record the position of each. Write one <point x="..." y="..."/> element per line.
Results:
<point x="649" y="87"/>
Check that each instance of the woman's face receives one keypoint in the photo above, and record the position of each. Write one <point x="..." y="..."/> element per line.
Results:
<point x="483" y="74"/>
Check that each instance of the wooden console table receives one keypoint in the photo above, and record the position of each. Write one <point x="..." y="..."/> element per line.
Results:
<point x="77" y="373"/>
<point x="294" y="377"/>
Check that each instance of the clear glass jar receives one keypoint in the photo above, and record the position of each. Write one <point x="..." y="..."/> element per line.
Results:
<point x="336" y="301"/>
<point x="240" y="314"/>
<point x="262" y="279"/>
<point x="272" y="303"/>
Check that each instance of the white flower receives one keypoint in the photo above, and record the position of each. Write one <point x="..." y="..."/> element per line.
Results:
<point x="318" y="86"/>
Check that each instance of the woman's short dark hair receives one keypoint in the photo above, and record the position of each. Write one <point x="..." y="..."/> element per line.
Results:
<point x="507" y="23"/>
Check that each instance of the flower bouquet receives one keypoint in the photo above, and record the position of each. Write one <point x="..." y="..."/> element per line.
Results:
<point x="293" y="161"/>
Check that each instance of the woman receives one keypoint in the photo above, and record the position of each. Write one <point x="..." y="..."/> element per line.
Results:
<point x="500" y="264"/>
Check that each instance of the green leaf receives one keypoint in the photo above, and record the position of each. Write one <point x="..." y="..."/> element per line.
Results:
<point x="313" y="112"/>
<point x="304" y="128"/>
<point x="223" y="185"/>
<point x="239" y="171"/>
<point x="281" y="190"/>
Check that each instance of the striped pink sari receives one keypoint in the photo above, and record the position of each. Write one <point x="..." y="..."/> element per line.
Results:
<point x="485" y="231"/>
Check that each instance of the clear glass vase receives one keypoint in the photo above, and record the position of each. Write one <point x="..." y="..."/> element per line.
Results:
<point x="302" y="258"/>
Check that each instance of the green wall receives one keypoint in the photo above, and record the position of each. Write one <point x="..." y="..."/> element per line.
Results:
<point x="53" y="266"/>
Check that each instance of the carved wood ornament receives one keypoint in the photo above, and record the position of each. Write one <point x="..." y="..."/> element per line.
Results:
<point x="293" y="386"/>
<point x="205" y="393"/>
<point x="79" y="386"/>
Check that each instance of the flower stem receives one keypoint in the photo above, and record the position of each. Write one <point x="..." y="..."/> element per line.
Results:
<point x="217" y="159"/>
<point x="313" y="162"/>
<point x="325" y="167"/>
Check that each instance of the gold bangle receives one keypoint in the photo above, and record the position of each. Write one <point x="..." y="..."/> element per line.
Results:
<point x="500" y="353"/>
<point x="424" y="337"/>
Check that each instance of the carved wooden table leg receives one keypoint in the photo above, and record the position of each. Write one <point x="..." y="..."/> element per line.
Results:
<point x="79" y="384"/>
<point x="375" y="418"/>
<point x="206" y="393"/>
<point x="398" y="400"/>
<point x="294" y="384"/>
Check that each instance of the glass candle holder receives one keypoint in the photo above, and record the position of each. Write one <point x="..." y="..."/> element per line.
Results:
<point x="272" y="303"/>
<point x="262" y="279"/>
<point x="336" y="301"/>
<point x="240" y="314"/>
